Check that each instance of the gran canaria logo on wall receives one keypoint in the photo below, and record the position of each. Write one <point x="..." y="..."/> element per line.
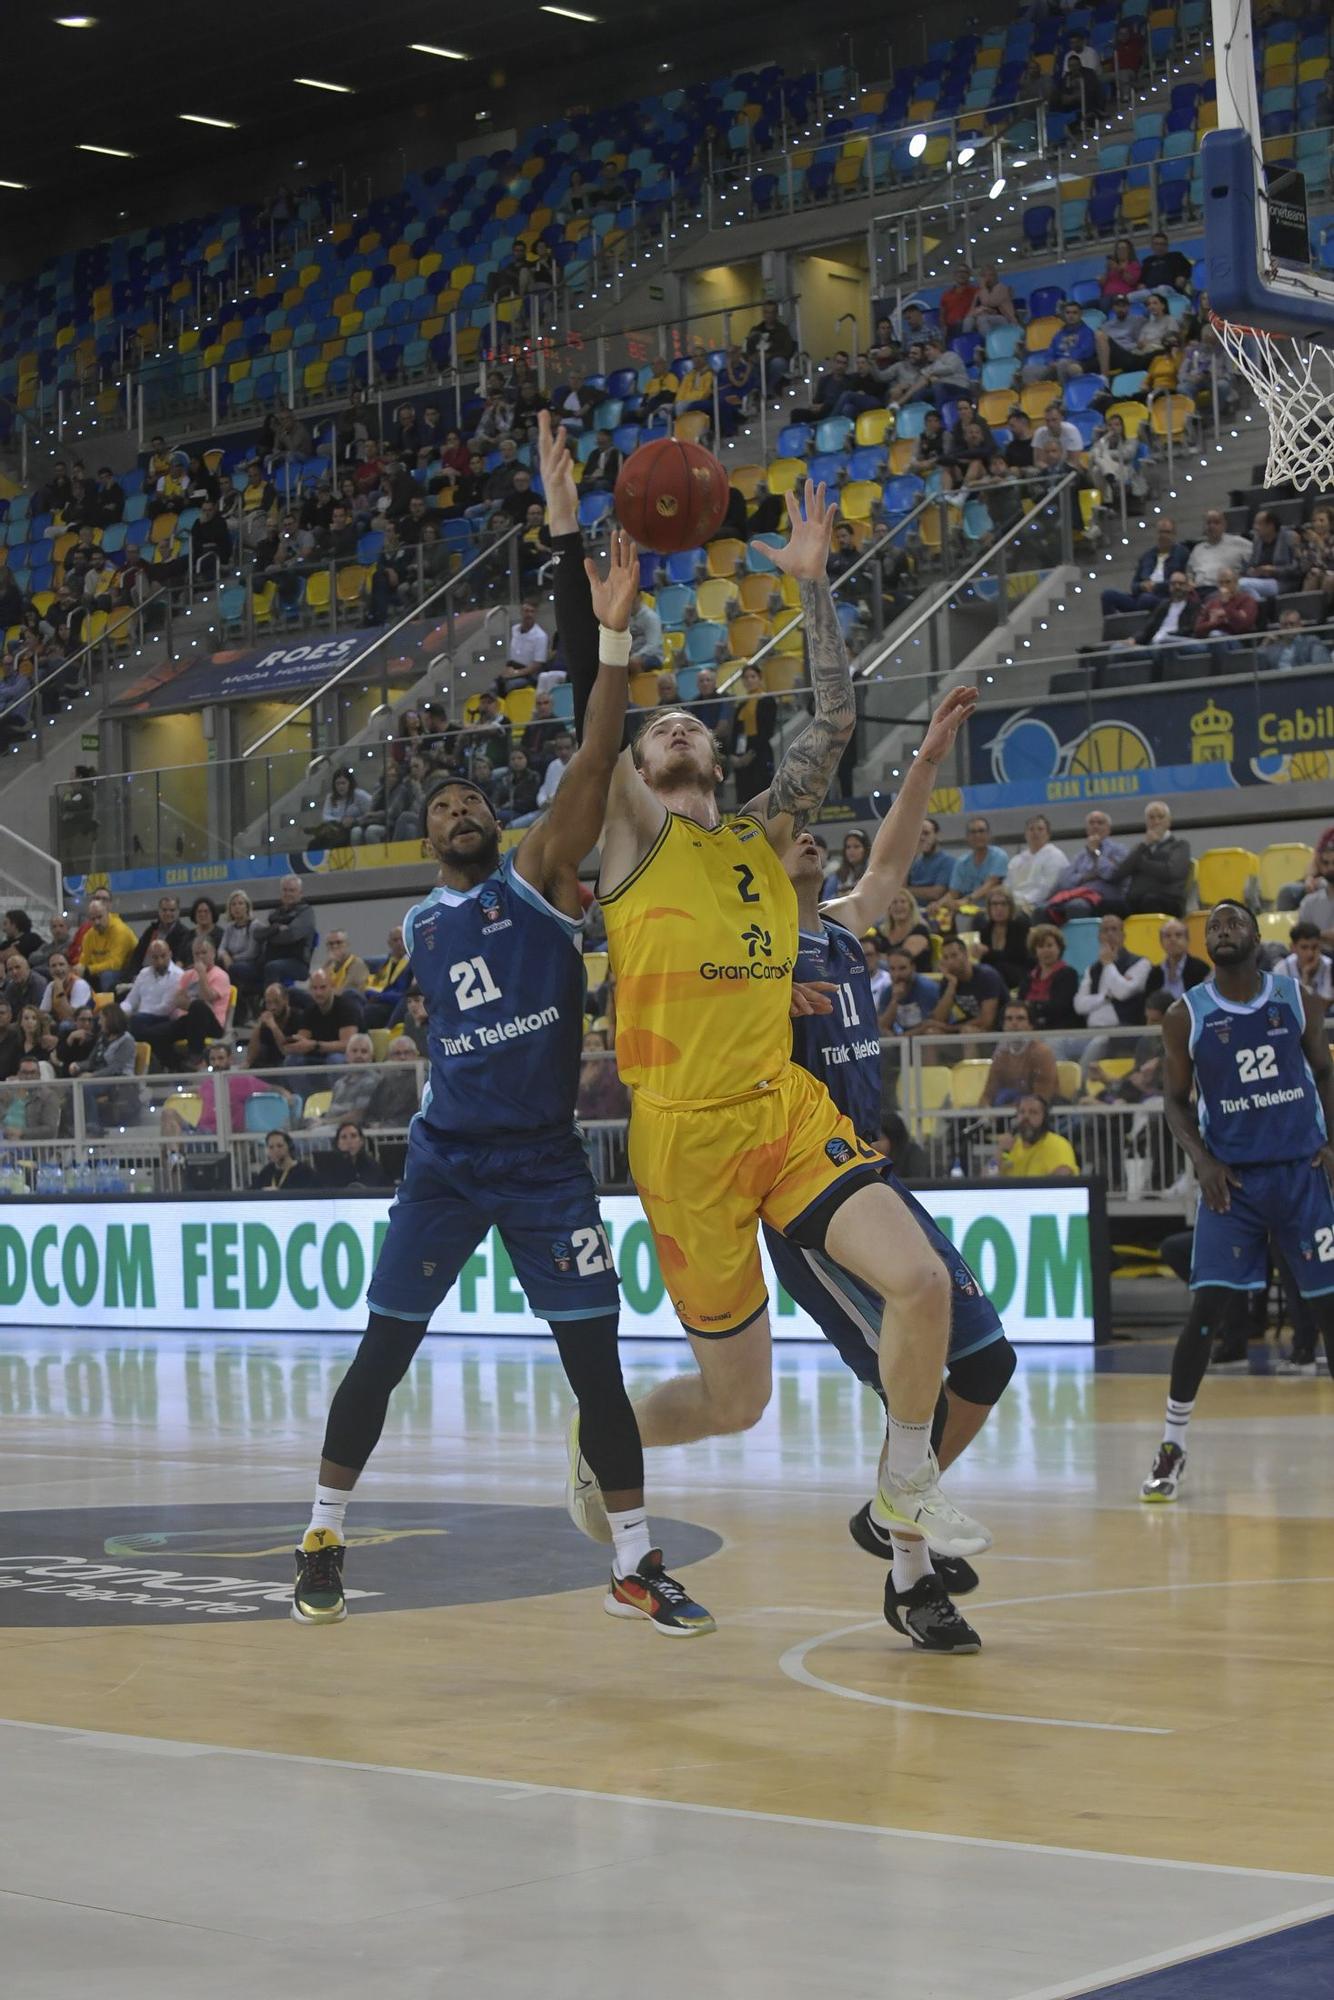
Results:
<point x="115" y="1566"/>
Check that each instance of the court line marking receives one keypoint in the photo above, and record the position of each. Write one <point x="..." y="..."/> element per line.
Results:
<point x="793" y="1661"/>
<point x="508" y="1789"/>
<point x="1184" y="1954"/>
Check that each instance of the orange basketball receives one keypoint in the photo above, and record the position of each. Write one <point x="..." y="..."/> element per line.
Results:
<point x="671" y="495"/>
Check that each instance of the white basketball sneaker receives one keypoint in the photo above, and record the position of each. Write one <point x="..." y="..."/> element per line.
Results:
<point x="583" y="1496"/>
<point x="918" y="1505"/>
<point x="1164" y="1482"/>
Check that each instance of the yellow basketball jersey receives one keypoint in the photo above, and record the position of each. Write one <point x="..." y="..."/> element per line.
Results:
<point x="703" y="938"/>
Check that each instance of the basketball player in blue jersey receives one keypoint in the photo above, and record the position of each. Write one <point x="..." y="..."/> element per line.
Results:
<point x="1252" y="1046"/>
<point x="842" y="1048"/>
<point x="495" y="949"/>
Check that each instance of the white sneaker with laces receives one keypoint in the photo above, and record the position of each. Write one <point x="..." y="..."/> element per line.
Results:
<point x="583" y="1496"/>
<point x="918" y="1505"/>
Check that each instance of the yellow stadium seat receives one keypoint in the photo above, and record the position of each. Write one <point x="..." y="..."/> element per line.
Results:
<point x="1040" y="333"/>
<point x="163" y="528"/>
<point x="716" y="598"/>
<point x="188" y="1106"/>
<point x="859" y="499"/>
<point x="1206" y="120"/>
<point x="1314" y="70"/>
<point x="263" y="601"/>
<point x="428" y="265"/>
<point x="314" y="374"/>
<point x="789" y="591"/>
<point x="933" y="1084"/>
<point x="281" y="339"/>
<point x="1142" y="934"/>
<point x="143" y="1055"/>
<point x="317" y="593"/>
<point x="1283" y="861"/>
<point x="1224" y="874"/>
<point x="62" y="544"/>
<point x="1034" y="398"/>
<point x="745" y="635"/>
<point x="462" y="275"/>
<point x="596" y="966"/>
<point x="1171" y="413"/>
<point x="692" y="426"/>
<point x="724" y="558"/>
<point x="874" y="426"/>
<point x="1068" y="1080"/>
<point x="929" y="529"/>
<point x="380" y="1040"/>
<point x="317" y="1104"/>
<point x="791" y="642"/>
<point x="211" y="356"/>
<point x="994" y="405"/>
<point x="95" y="628"/>
<point x="901" y="455"/>
<point x="238" y="371"/>
<point x="351" y="582"/>
<point x="1195" y="923"/>
<point x="350" y="322"/>
<point x="331" y="349"/>
<point x="188" y="341"/>
<point x="1136" y="204"/>
<point x="673" y="646"/>
<point x="757" y="593"/>
<point x="1276" y="926"/>
<point x="1132" y="415"/>
<point x="746" y="478"/>
<point x="848" y="173"/>
<point x="967" y="1080"/>
<point x="643" y="687"/>
<point x="785" y="474"/>
<point x="519" y="705"/>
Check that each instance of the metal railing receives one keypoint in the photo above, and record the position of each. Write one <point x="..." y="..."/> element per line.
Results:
<point x="51" y="692"/>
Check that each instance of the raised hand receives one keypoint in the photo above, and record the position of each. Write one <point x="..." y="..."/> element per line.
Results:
<point x="945" y="724"/>
<point x="557" y="471"/>
<point x="614" y="594"/>
<point x="805" y="554"/>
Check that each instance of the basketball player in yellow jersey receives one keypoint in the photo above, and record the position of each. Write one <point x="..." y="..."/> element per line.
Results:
<point x="702" y="927"/>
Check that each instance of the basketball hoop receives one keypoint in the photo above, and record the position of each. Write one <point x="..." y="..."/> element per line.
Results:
<point x="1293" y="376"/>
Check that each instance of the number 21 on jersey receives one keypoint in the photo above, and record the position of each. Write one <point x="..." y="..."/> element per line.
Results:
<point x="473" y="984"/>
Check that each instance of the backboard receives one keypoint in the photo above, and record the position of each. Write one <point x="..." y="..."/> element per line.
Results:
<point x="1257" y="247"/>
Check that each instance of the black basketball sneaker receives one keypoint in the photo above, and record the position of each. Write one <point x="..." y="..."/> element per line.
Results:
<point x="318" y="1597"/>
<point x="925" y="1615"/>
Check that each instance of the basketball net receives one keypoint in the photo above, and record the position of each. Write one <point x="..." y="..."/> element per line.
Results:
<point x="1294" y="380"/>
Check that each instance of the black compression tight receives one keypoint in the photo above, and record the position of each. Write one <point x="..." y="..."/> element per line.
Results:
<point x="1214" y="1310"/>
<point x="608" y="1434"/>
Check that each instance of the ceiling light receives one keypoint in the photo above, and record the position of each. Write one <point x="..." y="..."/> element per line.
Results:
<point x="13" y="184"/>
<point x="996" y="189"/>
<point x="198" y="118"/>
<point x="571" y="14"/>
<point x="76" y="20"/>
<point x="112" y="152"/>
<point x="429" y="49"/>
<point x="316" y="83"/>
<point x="917" y="145"/>
<point x="967" y="153"/>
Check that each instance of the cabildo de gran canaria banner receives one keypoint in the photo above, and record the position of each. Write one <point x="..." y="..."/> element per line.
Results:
<point x="278" y="1266"/>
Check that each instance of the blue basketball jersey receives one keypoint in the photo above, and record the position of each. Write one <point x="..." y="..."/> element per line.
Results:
<point x="841" y="1049"/>
<point x="1258" y="1103"/>
<point x="503" y="977"/>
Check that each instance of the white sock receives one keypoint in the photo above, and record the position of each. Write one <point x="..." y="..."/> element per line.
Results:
<point x="912" y="1561"/>
<point x="906" y="1448"/>
<point x="629" y="1531"/>
<point x="1178" y="1416"/>
<point x="329" y="1509"/>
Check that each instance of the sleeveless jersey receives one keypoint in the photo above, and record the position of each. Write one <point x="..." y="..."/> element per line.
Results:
<point x="503" y="977"/>
<point x="1258" y="1103"/>
<point x="703" y="939"/>
<point x="841" y="1049"/>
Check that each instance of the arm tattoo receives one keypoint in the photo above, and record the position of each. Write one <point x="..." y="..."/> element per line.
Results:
<point x="810" y="760"/>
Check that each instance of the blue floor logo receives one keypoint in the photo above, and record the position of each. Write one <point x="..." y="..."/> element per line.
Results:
<point x="200" y="1565"/>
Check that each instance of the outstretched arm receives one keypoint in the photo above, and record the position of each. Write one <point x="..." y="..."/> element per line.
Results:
<point x="551" y="853"/>
<point x="895" y="843"/>
<point x="576" y="621"/>
<point x="809" y="762"/>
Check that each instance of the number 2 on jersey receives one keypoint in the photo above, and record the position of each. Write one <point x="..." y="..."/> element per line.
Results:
<point x="1255" y="1064"/>
<point x="473" y="984"/>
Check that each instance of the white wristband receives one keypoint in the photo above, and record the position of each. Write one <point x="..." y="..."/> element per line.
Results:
<point x="613" y="647"/>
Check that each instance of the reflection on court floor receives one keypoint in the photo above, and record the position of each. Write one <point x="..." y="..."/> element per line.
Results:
<point x="515" y="1771"/>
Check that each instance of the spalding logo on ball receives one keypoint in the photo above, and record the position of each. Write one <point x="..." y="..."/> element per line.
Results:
<point x="671" y="496"/>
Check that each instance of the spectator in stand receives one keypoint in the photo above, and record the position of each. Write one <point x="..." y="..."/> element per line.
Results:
<point x="514" y="790"/>
<point x="538" y="741"/>
<point x="602" y="466"/>
<point x="645" y="638"/>
<point x="1317" y="905"/>
<point x="30" y="1107"/>
<point x="1275" y="563"/>
<point x="325" y="1023"/>
<point x="1072" y="352"/>
<point x="1086" y="885"/>
<point x="210" y="544"/>
<point x="1035" y="871"/>
<point x="902" y="379"/>
<point x="1232" y="612"/>
<point x="344" y="813"/>
<point x="971" y="996"/>
<point x="1318" y="552"/>
<point x="912" y="998"/>
<point x="487" y="734"/>
<point x="387" y="986"/>
<point x="1216" y="552"/>
<point x="771" y="346"/>
<point x="1309" y="964"/>
<point x="151" y="1003"/>
<point x="896" y="1144"/>
<point x="11" y="1041"/>
<point x="1165" y="269"/>
<point x="916" y="325"/>
<point x="1111" y="992"/>
<point x="218" y="1063"/>
<point x="1144" y="1080"/>
<point x="993" y="304"/>
<point x="1158" y="328"/>
<point x="529" y="649"/>
<point x="107" y="499"/>
<point x="354" y="1086"/>
<point x="352" y="1163"/>
<point x="840" y="392"/>
<point x="1004" y="937"/>
<point x="1034" y="1151"/>
<point x="346" y="972"/>
<point x="1056" y="430"/>
<point x="1116" y="463"/>
<point x="1178" y="971"/>
<point x="1293" y="647"/>
<point x="602" y="1095"/>
<point x="903" y="930"/>
<point x="1049" y="985"/>
<point x="1176" y="617"/>
<point x="398" y="1090"/>
<point x="238" y="953"/>
<point x="944" y="373"/>
<point x="695" y="389"/>
<point x="1121" y="275"/>
<point x="1022" y="1066"/>
<point x="956" y="304"/>
<point x="929" y="875"/>
<point x="983" y="868"/>
<point x="61" y="933"/>
<point x="65" y="993"/>
<point x="15" y="704"/>
<point x="754" y="721"/>
<point x="20" y="936"/>
<point x="736" y="386"/>
<point x="853" y="857"/>
<point x="203" y="1000"/>
<point x="106" y="947"/>
<point x="282" y="1172"/>
<point x="1155" y="873"/>
<point x="1118" y="340"/>
<point x="1153" y="571"/>
<point x="287" y="937"/>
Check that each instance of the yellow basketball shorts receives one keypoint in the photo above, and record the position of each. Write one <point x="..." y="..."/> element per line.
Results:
<point x="707" y="1174"/>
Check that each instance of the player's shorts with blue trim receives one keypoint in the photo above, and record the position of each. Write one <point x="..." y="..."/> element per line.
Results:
<point x="848" y="1312"/>
<point x="541" y="1197"/>
<point x="1292" y="1203"/>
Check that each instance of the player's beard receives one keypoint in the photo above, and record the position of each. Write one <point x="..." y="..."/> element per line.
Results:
<point x="482" y="854"/>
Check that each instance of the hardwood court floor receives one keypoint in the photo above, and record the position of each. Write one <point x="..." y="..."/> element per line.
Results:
<point x="480" y="1774"/>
